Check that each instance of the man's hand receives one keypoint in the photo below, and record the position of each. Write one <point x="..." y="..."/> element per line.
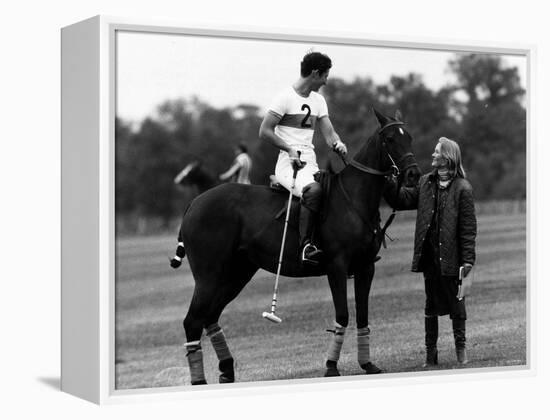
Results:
<point x="295" y="158"/>
<point x="467" y="269"/>
<point x="340" y="148"/>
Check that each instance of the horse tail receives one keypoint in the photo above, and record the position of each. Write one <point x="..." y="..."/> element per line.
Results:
<point x="175" y="261"/>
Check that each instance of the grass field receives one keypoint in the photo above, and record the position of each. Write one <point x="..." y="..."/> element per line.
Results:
<point x="152" y="299"/>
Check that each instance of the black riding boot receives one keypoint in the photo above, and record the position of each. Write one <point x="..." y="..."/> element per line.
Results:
<point x="310" y="253"/>
<point x="309" y="210"/>
<point x="459" y="332"/>
<point x="431" y="326"/>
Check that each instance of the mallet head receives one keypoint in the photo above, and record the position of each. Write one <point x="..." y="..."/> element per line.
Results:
<point x="272" y="317"/>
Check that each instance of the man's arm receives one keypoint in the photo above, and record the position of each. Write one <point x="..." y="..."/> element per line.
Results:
<point x="231" y="171"/>
<point x="331" y="136"/>
<point x="267" y="133"/>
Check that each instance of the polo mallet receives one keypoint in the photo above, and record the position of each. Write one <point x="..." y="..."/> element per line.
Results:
<point x="271" y="315"/>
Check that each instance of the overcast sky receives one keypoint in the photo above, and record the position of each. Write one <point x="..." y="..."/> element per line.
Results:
<point x="152" y="68"/>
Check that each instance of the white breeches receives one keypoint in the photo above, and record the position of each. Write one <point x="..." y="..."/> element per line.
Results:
<point x="284" y="171"/>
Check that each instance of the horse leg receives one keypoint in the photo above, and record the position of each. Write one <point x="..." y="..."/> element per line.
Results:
<point x="193" y="325"/>
<point x="337" y="278"/>
<point x="237" y="278"/>
<point x="362" y="285"/>
<point x="225" y="358"/>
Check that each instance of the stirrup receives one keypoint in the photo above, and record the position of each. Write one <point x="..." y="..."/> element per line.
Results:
<point x="311" y="254"/>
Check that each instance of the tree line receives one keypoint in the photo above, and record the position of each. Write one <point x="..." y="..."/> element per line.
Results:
<point x="482" y="109"/>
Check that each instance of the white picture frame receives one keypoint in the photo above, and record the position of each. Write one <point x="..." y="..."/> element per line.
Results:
<point x="88" y="215"/>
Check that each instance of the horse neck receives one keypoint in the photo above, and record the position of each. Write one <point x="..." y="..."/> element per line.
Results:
<point x="363" y="188"/>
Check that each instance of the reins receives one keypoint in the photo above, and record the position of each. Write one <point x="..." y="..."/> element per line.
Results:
<point x="393" y="171"/>
<point x="371" y="171"/>
<point x="389" y="221"/>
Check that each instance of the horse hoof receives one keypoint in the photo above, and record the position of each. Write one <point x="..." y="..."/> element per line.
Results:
<point x="332" y="369"/>
<point x="227" y="378"/>
<point x="331" y="372"/>
<point x="227" y="370"/>
<point x="201" y="382"/>
<point x="371" y="368"/>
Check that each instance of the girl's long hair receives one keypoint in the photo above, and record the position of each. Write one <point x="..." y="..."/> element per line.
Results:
<point x="451" y="152"/>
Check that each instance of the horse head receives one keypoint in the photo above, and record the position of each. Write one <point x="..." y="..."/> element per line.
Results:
<point x="395" y="147"/>
<point x="196" y="174"/>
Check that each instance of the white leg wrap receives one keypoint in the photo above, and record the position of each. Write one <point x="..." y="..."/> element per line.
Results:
<point x="336" y="343"/>
<point x="217" y="338"/>
<point x="363" y="345"/>
<point x="192" y="344"/>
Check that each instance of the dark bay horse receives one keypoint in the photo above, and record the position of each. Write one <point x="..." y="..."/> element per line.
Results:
<point x="196" y="174"/>
<point x="231" y="231"/>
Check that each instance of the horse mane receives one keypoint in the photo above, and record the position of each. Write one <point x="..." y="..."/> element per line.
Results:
<point x="365" y="153"/>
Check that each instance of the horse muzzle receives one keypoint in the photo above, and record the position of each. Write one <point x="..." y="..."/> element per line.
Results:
<point x="411" y="176"/>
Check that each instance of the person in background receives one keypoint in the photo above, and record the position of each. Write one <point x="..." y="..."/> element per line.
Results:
<point x="444" y="242"/>
<point x="289" y="125"/>
<point x="240" y="168"/>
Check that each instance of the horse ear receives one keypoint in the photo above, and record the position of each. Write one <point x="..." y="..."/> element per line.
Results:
<point x="398" y="116"/>
<point x="382" y="120"/>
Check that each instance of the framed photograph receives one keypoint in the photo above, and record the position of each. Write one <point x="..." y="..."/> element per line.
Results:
<point x="246" y="209"/>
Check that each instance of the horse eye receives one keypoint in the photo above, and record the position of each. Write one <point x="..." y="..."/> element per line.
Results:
<point x="401" y="131"/>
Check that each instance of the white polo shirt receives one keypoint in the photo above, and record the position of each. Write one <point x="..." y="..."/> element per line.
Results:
<point x="298" y="116"/>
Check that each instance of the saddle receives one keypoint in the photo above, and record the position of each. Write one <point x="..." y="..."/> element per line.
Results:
<point x="295" y="206"/>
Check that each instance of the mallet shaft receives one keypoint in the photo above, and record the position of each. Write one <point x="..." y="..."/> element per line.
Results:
<point x="272" y="316"/>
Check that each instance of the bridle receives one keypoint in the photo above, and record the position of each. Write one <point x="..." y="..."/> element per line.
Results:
<point x="406" y="161"/>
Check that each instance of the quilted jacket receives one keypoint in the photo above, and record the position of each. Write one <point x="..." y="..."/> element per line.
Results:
<point x="457" y="220"/>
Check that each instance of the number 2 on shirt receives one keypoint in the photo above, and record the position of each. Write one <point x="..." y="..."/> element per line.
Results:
<point x="305" y="123"/>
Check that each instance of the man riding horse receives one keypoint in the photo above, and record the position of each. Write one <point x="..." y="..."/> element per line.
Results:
<point x="231" y="231"/>
<point x="289" y="125"/>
